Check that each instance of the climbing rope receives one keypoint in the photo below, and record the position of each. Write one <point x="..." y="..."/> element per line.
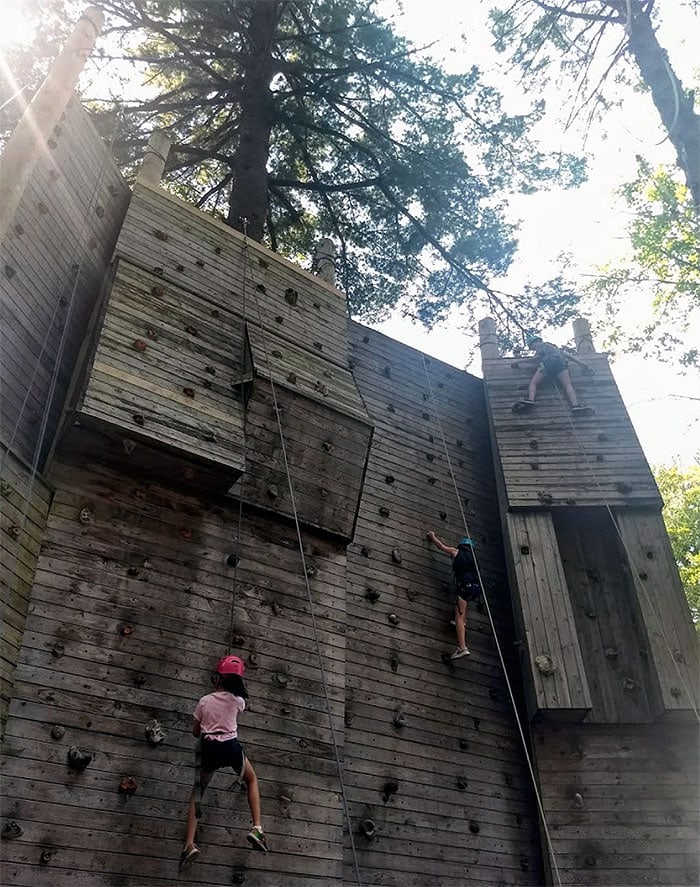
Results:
<point x="521" y="731"/>
<point x="630" y="561"/>
<point x="79" y="247"/>
<point x="312" y="608"/>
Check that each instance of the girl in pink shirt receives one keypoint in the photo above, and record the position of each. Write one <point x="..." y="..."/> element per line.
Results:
<point x="216" y="726"/>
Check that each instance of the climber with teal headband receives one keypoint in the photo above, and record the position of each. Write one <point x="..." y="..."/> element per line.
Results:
<point x="467" y="585"/>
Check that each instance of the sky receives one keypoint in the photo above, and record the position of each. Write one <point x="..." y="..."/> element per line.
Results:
<point x="588" y="222"/>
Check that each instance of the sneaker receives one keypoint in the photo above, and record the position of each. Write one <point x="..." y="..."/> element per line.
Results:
<point x="459" y="652"/>
<point x="187" y="857"/>
<point x="256" y="838"/>
<point x="580" y="408"/>
<point x="527" y="403"/>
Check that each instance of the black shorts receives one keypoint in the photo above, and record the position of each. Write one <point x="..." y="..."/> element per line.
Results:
<point x="218" y="753"/>
<point x="553" y="365"/>
<point x="467" y="591"/>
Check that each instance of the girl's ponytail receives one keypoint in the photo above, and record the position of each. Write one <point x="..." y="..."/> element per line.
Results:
<point x="233" y="683"/>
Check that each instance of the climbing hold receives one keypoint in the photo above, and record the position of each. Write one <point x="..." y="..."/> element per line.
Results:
<point x="253" y="661"/>
<point x="206" y="383"/>
<point x="191" y="330"/>
<point x="318" y="346"/>
<point x="157" y="291"/>
<point x="238" y="876"/>
<point x="430" y="457"/>
<point x="280" y="679"/>
<point x="321" y="388"/>
<point x="474" y="827"/>
<point x="650" y="555"/>
<point x="138" y="419"/>
<point x="180" y="268"/>
<point x="46" y="856"/>
<point x="349" y="718"/>
<point x="629" y="684"/>
<point x="127" y="785"/>
<point x="391" y="408"/>
<point x="364" y="551"/>
<point x="432" y="480"/>
<point x="675" y="692"/>
<point x="232" y="559"/>
<point x="463" y="744"/>
<point x="9" y="272"/>
<point x="14" y="531"/>
<point x="578" y="800"/>
<point x="19" y="229"/>
<point x="643" y="575"/>
<point x="276" y="353"/>
<point x="367" y="828"/>
<point x="160" y="235"/>
<point x="128" y="446"/>
<point x="6" y="489"/>
<point x="188" y="392"/>
<point x="394" y="619"/>
<point x="132" y="571"/>
<point x="11" y="830"/>
<point x="394" y="663"/>
<point x="524" y="549"/>
<point x="285" y="805"/>
<point x="462" y="783"/>
<point x="570" y="500"/>
<point x="524" y="864"/>
<point x="599" y="457"/>
<point x="535" y="466"/>
<point x="590" y="860"/>
<point x="272" y="491"/>
<point x="152" y="334"/>
<point x="545" y="664"/>
<point x="185" y="532"/>
<point x="387" y="372"/>
<point x="623" y="487"/>
<point x="396" y="555"/>
<point x="372" y="596"/>
<point x="58" y="650"/>
<point x="391" y="787"/>
<point x="199" y="263"/>
<point x="217" y="250"/>
<point x="99" y="211"/>
<point x="127" y="630"/>
<point x="85" y="516"/>
<point x="292" y="378"/>
<point x="533" y="445"/>
<point x="411" y="594"/>
<point x="602" y="437"/>
<point x="545" y="498"/>
<point x="327" y="446"/>
<point x="58" y="732"/>
<point x="390" y="478"/>
<point x="384" y="511"/>
<point x="291" y="296"/>
<point x="508" y="779"/>
<point x="42" y="208"/>
<point x="399" y="720"/>
<point x="590" y="613"/>
<point x="78" y="759"/>
<point x="425" y="416"/>
<point x="611" y="653"/>
<point x="310" y="570"/>
<point x="678" y="656"/>
<point x="279" y="318"/>
<point x="237" y="640"/>
<point x="154" y="733"/>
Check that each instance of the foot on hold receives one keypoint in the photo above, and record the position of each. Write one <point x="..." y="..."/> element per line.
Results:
<point x="459" y="652"/>
<point x="256" y="838"/>
<point x="581" y="409"/>
<point x="187" y="857"/>
<point x="522" y="406"/>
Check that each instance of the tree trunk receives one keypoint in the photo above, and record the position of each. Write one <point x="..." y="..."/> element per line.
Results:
<point x="248" y="203"/>
<point x="674" y="104"/>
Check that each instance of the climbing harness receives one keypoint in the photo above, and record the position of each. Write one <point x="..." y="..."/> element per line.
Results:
<point x="521" y="731"/>
<point x="306" y="573"/>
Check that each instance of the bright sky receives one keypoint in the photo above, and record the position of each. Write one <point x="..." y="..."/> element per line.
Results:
<point x="587" y="222"/>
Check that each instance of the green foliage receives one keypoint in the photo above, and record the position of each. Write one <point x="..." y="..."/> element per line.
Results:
<point x="408" y="168"/>
<point x="681" y="493"/>
<point x="660" y="278"/>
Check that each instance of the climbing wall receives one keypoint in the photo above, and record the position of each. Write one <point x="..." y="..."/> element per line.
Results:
<point x="432" y="755"/>
<point x="53" y="262"/>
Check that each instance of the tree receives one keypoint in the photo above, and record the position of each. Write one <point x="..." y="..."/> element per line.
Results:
<point x="308" y="118"/>
<point x="681" y="492"/>
<point x="660" y="279"/>
<point x="590" y="41"/>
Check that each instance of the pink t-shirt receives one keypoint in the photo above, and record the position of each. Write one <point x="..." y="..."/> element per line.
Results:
<point x="217" y="714"/>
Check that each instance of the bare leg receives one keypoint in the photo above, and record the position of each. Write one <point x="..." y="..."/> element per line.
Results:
<point x="251" y="781"/>
<point x="565" y="382"/>
<point x="460" y="622"/>
<point x="191" y="814"/>
<point x="534" y="384"/>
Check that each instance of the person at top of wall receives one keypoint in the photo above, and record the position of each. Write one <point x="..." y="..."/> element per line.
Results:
<point x="215" y="725"/>
<point x="552" y="364"/>
<point x="467" y="585"/>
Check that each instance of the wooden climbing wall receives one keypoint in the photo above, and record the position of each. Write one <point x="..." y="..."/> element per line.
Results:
<point x="463" y="811"/>
<point x="24" y="505"/>
<point x="621" y="803"/>
<point x="53" y="263"/>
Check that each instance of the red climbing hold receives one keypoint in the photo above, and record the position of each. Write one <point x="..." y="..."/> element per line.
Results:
<point x="127" y="785"/>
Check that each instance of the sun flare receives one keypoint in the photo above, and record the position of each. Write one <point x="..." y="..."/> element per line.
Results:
<point x="16" y="27"/>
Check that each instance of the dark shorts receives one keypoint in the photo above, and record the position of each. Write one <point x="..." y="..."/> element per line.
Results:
<point x="467" y="591"/>
<point x="217" y="754"/>
<point x="552" y="366"/>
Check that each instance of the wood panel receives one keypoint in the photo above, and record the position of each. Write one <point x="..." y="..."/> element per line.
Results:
<point x="558" y="684"/>
<point x="54" y="259"/>
<point x="550" y="457"/>
<point x="158" y="352"/>
<point x="25" y="498"/>
<point x="671" y="640"/>
<point x="621" y="802"/>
